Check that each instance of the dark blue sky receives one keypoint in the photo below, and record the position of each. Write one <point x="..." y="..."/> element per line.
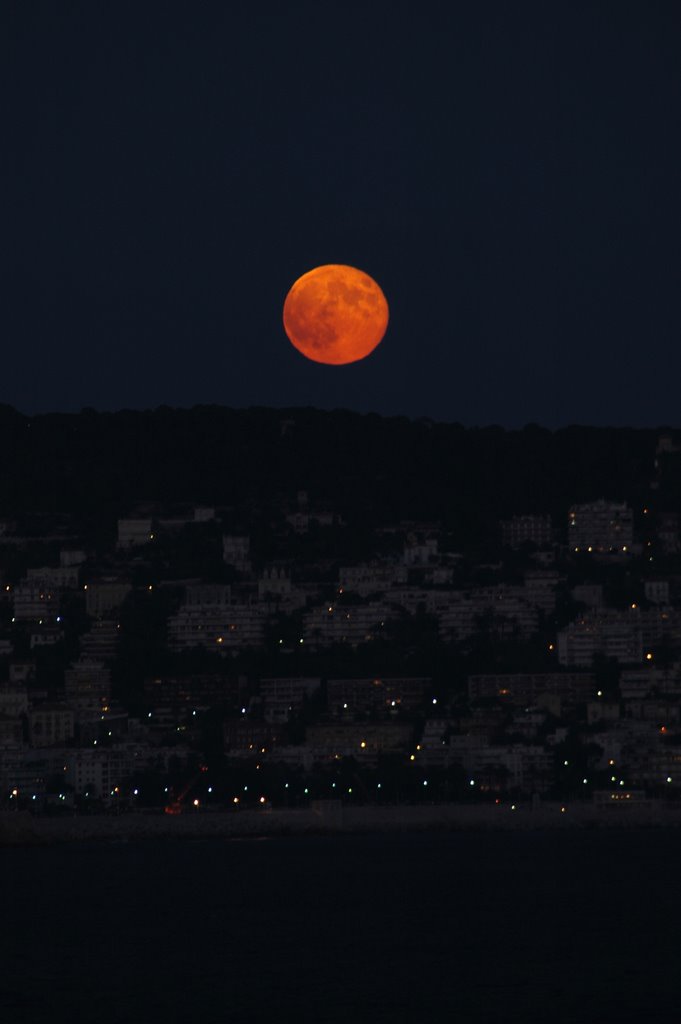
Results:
<point x="510" y="173"/>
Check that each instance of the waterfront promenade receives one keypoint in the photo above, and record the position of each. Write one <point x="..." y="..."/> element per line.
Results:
<point x="331" y="817"/>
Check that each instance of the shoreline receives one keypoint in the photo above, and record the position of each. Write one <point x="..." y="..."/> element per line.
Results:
<point x="330" y="818"/>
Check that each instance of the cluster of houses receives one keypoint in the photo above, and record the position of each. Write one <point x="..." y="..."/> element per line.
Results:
<point x="593" y="604"/>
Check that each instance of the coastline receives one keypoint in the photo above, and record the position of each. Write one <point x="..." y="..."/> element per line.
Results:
<point x="329" y="817"/>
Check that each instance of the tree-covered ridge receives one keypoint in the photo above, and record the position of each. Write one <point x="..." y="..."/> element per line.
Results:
<point x="360" y="464"/>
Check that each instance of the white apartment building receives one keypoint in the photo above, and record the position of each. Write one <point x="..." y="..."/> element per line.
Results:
<point x="217" y="626"/>
<point x="371" y="577"/>
<point x="612" y="634"/>
<point x="50" y="725"/>
<point x="99" y="772"/>
<point x="282" y="695"/>
<point x="101" y="640"/>
<point x="528" y="687"/>
<point x="88" y="680"/>
<point x="13" y="701"/>
<point x="527" y="767"/>
<point x="519" y="530"/>
<point x="420" y="552"/>
<point x="638" y="683"/>
<point x="107" y="595"/>
<point x="274" y="582"/>
<point x="54" y="578"/>
<point x="435" y="750"/>
<point x="34" y="602"/>
<point x="11" y="732"/>
<point x="236" y="551"/>
<point x="351" y="624"/>
<point x="600" y="527"/>
<point x="133" y="533"/>
<point x="503" y="610"/>
<point x="540" y="589"/>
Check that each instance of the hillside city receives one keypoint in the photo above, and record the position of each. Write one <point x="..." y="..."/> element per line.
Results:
<point x="173" y="662"/>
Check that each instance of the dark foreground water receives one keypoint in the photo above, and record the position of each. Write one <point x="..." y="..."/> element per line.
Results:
<point x="474" y="927"/>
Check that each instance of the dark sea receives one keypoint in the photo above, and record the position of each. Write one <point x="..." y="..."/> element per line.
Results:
<point x="573" y="926"/>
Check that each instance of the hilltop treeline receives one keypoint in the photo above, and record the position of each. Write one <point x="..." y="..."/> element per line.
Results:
<point x="364" y="466"/>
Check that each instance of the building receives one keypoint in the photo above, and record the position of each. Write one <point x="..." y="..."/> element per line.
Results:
<point x="386" y="695"/>
<point x="527" y="687"/>
<point x="87" y="682"/>
<point x="50" y="725"/>
<point x="601" y="527"/>
<point x="638" y="683"/>
<point x="520" y="530"/>
<point x="247" y="738"/>
<point x="11" y="732"/>
<point x="274" y="584"/>
<point x="13" y="700"/>
<point x="106" y="595"/>
<point x="502" y="611"/>
<point x="541" y="586"/>
<point x="34" y="602"/>
<point x="281" y="696"/>
<point x="101" y="640"/>
<point x="195" y="691"/>
<point x="364" y="741"/>
<point x="518" y="767"/>
<point x="45" y="636"/>
<point x="220" y="626"/>
<point x="59" y="578"/>
<point x="133" y="533"/>
<point x="371" y="578"/>
<point x="236" y="551"/>
<point x="611" y="634"/>
<point x="339" y="623"/>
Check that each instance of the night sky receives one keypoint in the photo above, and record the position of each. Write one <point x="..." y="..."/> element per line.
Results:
<point x="509" y="173"/>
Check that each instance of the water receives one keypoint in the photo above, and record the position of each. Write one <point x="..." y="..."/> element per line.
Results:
<point x="481" y="927"/>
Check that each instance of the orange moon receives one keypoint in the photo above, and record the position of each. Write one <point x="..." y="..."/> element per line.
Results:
<point x="335" y="314"/>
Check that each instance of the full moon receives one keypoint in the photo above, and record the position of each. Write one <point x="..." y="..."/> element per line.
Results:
<point x="335" y="314"/>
